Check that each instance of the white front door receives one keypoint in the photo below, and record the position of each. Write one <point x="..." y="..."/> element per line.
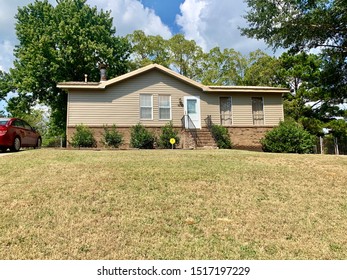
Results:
<point x="192" y="109"/>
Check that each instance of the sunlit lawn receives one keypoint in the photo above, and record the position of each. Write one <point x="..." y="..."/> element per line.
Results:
<point x="175" y="204"/>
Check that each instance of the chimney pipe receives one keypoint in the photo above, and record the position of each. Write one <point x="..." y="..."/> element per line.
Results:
<point x="102" y="68"/>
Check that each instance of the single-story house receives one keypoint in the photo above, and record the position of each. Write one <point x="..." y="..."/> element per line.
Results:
<point x="155" y="95"/>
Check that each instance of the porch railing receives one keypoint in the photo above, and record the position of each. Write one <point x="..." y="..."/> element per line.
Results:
<point x="188" y="123"/>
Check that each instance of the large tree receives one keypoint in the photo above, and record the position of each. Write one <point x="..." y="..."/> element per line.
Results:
<point x="182" y="55"/>
<point x="302" y="74"/>
<point x="223" y="67"/>
<point x="5" y="84"/>
<point x="262" y="70"/>
<point x="300" y="25"/>
<point x="186" y="56"/>
<point x="148" y="49"/>
<point x="60" y="43"/>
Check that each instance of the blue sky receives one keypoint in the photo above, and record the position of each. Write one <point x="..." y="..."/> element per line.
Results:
<point x="166" y="10"/>
<point x="210" y="23"/>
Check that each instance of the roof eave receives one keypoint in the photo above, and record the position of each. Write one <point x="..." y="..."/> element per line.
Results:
<point x="80" y="86"/>
<point x="103" y="85"/>
<point x="233" y="89"/>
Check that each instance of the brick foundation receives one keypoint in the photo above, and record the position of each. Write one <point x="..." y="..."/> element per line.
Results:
<point x="245" y="138"/>
<point x="248" y="138"/>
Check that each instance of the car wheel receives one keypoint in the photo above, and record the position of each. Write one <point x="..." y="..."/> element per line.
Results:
<point x="16" y="145"/>
<point x="38" y="143"/>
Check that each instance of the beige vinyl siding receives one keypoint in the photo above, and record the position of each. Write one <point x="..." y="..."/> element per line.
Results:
<point x="210" y="107"/>
<point x="273" y="109"/>
<point x="119" y="104"/>
<point x="242" y="109"/>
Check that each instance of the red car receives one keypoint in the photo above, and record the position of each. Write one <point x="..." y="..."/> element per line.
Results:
<point x="16" y="133"/>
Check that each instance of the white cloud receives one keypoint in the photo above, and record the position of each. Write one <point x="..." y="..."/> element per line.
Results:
<point x="128" y="15"/>
<point x="6" y="55"/>
<point x="192" y="22"/>
<point x="131" y="15"/>
<point x="215" y="23"/>
<point x="8" y="38"/>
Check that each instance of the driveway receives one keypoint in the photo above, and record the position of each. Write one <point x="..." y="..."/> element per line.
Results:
<point x="5" y="154"/>
<point x="8" y="153"/>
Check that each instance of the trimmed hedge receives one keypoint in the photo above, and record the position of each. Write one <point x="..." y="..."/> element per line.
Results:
<point x="168" y="132"/>
<point x="221" y="136"/>
<point x="141" y="138"/>
<point x="83" y="137"/>
<point x="288" y="137"/>
<point x="111" y="137"/>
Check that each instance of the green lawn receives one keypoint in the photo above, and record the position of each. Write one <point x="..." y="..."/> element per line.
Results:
<point x="174" y="204"/>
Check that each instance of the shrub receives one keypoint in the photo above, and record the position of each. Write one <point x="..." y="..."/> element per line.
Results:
<point x="83" y="137"/>
<point x="111" y="137"/>
<point x="168" y="132"/>
<point x="221" y="136"/>
<point x="288" y="137"/>
<point x="141" y="138"/>
<point x="53" y="141"/>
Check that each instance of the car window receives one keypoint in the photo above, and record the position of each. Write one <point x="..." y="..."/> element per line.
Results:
<point x="3" y="122"/>
<point x="17" y="123"/>
<point x="26" y="125"/>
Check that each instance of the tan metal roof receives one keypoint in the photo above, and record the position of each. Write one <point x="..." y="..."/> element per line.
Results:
<point x="103" y="84"/>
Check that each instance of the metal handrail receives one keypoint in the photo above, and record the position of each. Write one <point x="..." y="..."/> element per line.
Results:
<point x="187" y="122"/>
<point x="209" y="122"/>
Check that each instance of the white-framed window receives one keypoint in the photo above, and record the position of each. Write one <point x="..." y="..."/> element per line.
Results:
<point x="164" y="104"/>
<point x="258" y="110"/>
<point x="146" y="107"/>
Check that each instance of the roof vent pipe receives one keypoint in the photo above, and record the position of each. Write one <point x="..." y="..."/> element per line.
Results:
<point x="102" y="68"/>
<point x="85" y="78"/>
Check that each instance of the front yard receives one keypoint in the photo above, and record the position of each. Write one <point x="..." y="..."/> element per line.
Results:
<point x="172" y="204"/>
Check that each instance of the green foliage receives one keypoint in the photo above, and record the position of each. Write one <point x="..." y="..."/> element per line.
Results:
<point x="141" y="138"/>
<point x="262" y="70"/>
<point x="186" y="56"/>
<point x="334" y="78"/>
<point x="223" y="67"/>
<point x="298" y="26"/>
<point x="338" y="128"/>
<point x="168" y="132"/>
<point x="312" y="125"/>
<point x="300" y="72"/>
<point x="5" y="84"/>
<point x="112" y="137"/>
<point x="20" y="107"/>
<point x="221" y="136"/>
<point x="182" y="55"/>
<point x="288" y="137"/>
<point x="59" y="43"/>
<point x="148" y="49"/>
<point x="83" y="137"/>
<point x="51" y="141"/>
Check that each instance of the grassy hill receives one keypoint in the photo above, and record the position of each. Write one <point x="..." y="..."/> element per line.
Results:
<point x="174" y="204"/>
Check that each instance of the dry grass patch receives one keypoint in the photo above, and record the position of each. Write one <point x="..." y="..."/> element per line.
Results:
<point x="58" y="204"/>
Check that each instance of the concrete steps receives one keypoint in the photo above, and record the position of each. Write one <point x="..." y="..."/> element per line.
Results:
<point x="202" y="138"/>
